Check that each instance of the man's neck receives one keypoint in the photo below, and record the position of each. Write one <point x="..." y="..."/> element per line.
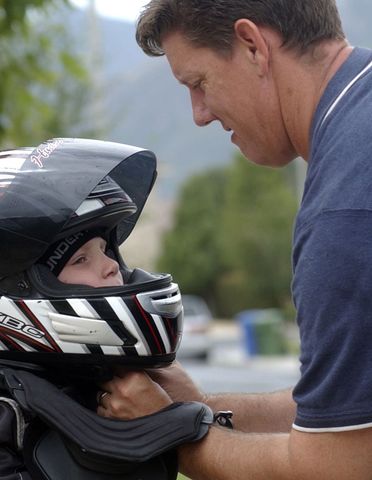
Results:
<point x="302" y="82"/>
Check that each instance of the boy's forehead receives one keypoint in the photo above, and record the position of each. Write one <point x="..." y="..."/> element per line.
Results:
<point x="61" y="252"/>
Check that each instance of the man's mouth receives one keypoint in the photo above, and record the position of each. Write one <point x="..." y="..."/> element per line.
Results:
<point x="225" y="127"/>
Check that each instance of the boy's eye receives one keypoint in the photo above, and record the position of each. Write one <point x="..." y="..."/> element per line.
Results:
<point x="79" y="260"/>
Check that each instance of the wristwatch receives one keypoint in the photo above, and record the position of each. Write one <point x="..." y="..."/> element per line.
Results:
<point x="223" y="418"/>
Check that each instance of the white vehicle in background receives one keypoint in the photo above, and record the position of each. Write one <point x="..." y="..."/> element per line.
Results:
<point x="195" y="341"/>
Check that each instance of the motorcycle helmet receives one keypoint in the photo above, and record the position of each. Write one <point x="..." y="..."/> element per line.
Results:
<point x="49" y="195"/>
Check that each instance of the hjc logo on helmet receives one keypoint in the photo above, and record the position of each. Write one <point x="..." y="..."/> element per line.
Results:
<point x="18" y="325"/>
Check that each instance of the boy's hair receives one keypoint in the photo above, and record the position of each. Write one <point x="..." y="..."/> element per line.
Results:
<point x="209" y="23"/>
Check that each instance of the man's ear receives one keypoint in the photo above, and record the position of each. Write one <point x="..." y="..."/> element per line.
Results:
<point x="252" y="38"/>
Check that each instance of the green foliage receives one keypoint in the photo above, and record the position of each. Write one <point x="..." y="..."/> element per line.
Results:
<point x="256" y="239"/>
<point x="13" y="13"/>
<point x="42" y="82"/>
<point x="191" y="249"/>
<point x="231" y="239"/>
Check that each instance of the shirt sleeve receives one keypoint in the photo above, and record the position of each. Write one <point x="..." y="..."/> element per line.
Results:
<point x="332" y="291"/>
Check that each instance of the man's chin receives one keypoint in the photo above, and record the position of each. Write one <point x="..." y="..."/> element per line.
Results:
<point x="244" y="149"/>
<point x="273" y="160"/>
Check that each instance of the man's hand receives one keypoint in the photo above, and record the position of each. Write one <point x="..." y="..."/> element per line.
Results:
<point x="131" y="395"/>
<point x="177" y="383"/>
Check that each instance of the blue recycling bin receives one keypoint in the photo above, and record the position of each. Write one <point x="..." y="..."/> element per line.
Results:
<point x="262" y="331"/>
<point x="247" y="320"/>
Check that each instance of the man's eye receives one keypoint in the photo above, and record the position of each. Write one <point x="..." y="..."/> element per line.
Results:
<point x="198" y="86"/>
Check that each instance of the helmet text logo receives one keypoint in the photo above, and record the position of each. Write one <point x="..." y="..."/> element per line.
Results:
<point x="62" y="248"/>
<point x="15" y="324"/>
<point x="44" y="151"/>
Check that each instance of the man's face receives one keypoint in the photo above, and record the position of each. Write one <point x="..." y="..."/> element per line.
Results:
<point x="91" y="266"/>
<point x="229" y="89"/>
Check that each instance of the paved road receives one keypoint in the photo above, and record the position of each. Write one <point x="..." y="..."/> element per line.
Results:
<point x="258" y="375"/>
<point x="230" y="369"/>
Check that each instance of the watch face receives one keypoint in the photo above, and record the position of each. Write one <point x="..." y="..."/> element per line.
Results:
<point x="223" y="418"/>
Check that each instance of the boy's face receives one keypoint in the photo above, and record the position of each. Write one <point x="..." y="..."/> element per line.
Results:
<point x="91" y="266"/>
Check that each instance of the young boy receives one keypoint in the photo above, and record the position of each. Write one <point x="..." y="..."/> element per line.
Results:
<point x="69" y="305"/>
<point x="84" y="261"/>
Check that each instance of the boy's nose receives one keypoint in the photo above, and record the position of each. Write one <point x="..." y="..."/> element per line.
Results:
<point x="111" y="267"/>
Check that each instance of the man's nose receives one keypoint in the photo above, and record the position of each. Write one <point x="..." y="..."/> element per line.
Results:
<point x="201" y="113"/>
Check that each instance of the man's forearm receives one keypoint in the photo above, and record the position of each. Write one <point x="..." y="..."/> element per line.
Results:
<point x="247" y="454"/>
<point x="229" y="455"/>
<point x="260" y="413"/>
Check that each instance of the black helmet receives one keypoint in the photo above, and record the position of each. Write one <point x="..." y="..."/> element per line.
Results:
<point x="54" y="192"/>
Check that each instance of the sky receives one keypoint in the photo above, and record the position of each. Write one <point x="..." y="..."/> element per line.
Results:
<point x="120" y="9"/>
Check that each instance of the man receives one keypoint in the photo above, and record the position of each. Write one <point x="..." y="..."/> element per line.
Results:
<point x="280" y="75"/>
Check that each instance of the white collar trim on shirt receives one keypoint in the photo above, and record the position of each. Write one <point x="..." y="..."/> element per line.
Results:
<point x="344" y="91"/>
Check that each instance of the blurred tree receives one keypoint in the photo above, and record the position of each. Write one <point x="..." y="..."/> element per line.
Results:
<point x="42" y="81"/>
<point x="190" y="250"/>
<point x="231" y="238"/>
<point x="257" y="218"/>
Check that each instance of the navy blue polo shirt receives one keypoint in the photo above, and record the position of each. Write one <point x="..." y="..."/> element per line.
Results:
<point x="332" y="258"/>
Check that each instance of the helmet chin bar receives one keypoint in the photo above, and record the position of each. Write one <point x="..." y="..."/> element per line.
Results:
<point x="83" y="331"/>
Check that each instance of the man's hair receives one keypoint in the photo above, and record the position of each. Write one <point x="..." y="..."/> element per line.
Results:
<point x="210" y="23"/>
